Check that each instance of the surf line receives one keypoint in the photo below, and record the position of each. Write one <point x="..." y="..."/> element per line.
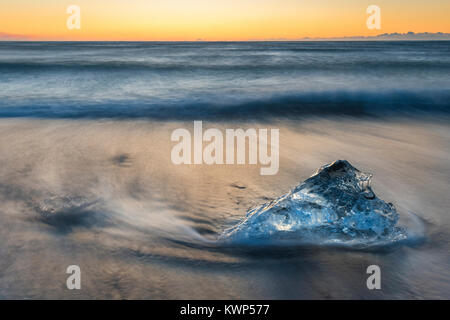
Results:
<point x="235" y="140"/>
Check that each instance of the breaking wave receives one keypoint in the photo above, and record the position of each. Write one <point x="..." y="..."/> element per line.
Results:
<point x="222" y="108"/>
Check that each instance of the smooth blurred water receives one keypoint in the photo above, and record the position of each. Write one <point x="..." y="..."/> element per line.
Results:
<point x="86" y="176"/>
<point x="190" y="79"/>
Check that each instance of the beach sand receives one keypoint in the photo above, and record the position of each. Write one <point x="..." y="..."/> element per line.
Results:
<point x="105" y="195"/>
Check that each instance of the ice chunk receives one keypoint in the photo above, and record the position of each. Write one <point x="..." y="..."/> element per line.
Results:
<point x="335" y="205"/>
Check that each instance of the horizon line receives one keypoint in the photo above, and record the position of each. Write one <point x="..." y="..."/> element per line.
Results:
<point x="407" y="36"/>
<point x="270" y="40"/>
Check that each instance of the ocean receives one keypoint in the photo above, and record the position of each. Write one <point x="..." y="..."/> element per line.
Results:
<point x="86" y="176"/>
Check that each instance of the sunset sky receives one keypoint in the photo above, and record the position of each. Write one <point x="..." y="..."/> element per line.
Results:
<point x="216" y="19"/>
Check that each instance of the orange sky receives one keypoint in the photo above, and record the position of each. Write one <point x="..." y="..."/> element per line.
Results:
<point x="217" y="19"/>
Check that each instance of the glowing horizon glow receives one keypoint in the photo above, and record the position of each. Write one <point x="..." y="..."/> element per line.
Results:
<point x="190" y="20"/>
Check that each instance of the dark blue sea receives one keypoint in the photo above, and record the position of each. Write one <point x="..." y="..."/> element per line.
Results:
<point x="226" y="79"/>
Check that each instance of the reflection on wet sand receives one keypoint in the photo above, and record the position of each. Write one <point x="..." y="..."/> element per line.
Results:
<point x="106" y="196"/>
